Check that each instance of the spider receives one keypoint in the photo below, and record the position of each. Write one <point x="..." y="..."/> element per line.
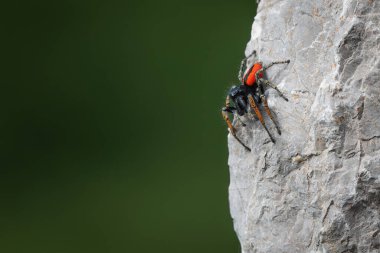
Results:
<point x="249" y="94"/>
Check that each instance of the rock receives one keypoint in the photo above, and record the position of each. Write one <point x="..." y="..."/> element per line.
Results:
<point x="318" y="188"/>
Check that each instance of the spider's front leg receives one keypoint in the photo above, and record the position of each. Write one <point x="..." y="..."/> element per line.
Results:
<point x="239" y="119"/>
<point x="225" y="111"/>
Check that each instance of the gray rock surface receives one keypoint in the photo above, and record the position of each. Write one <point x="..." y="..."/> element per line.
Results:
<point x="318" y="188"/>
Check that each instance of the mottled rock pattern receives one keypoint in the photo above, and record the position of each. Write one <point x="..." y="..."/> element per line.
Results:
<point x="318" y="188"/>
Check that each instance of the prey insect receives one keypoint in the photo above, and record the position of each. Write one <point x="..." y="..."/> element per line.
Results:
<point x="250" y="94"/>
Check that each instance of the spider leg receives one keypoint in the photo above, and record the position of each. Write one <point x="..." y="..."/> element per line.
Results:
<point x="243" y="65"/>
<point x="232" y="129"/>
<point x="232" y="110"/>
<point x="267" y="82"/>
<point x="266" y="107"/>
<point x="259" y="115"/>
<point x="240" y="120"/>
<point x="275" y="62"/>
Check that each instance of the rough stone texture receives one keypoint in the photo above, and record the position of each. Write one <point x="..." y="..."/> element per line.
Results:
<point x="318" y="188"/>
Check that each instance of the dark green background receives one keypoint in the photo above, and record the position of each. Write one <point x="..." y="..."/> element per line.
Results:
<point x="111" y="134"/>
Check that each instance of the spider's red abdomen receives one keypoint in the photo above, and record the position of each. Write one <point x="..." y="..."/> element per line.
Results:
<point x="249" y="77"/>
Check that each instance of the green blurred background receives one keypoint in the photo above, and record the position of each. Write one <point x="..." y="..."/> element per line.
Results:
<point x="111" y="134"/>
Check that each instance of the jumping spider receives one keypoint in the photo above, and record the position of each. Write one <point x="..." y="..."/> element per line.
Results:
<point x="249" y="94"/>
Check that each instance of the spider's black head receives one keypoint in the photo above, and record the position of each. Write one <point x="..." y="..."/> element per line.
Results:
<point x="238" y="94"/>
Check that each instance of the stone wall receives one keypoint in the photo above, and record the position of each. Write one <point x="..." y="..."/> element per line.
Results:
<point x="317" y="189"/>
